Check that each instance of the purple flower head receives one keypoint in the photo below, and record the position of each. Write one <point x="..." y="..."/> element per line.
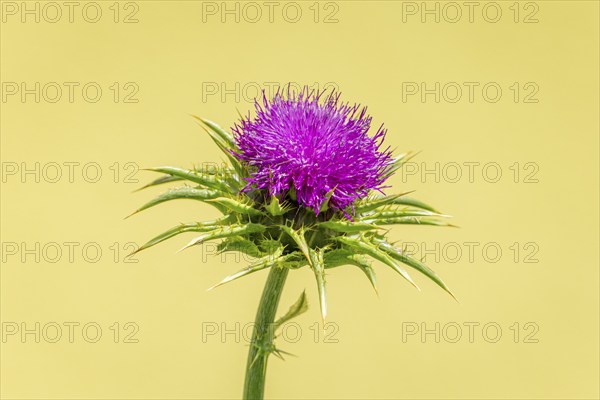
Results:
<point x="317" y="146"/>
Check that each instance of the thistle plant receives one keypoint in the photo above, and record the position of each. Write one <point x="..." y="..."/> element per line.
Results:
<point x="303" y="187"/>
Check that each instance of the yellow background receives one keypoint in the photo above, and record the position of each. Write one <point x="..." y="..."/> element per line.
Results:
<point x="368" y="53"/>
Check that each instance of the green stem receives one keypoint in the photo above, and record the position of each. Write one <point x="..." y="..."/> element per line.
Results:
<point x="262" y="336"/>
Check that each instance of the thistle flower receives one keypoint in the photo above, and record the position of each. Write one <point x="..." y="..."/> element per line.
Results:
<point x="299" y="170"/>
<point x="312" y="145"/>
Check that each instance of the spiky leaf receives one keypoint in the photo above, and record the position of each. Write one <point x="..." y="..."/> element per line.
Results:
<point x="411" y="221"/>
<point x="409" y="201"/>
<point x="225" y="232"/>
<point x="160" y="181"/>
<point x="275" y="208"/>
<point x="318" y="266"/>
<point x="339" y="257"/>
<point x="401" y="213"/>
<point x="236" y="205"/>
<point x="210" y="181"/>
<point x="397" y="163"/>
<point x="181" y="228"/>
<point x="404" y="258"/>
<point x="240" y="244"/>
<point x="184" y="192"/>
<point x="265" y="262"/>
<point x="225" y="136"/>
<point x="299" y="307"/>
<point x="224" y="141"/>
<point x="347" y="226"/>
<point x="366" y="247"/>
<point x="325" y="204"/>
<point x="371" y="204"/>
<point x="298" y="237"/>
<point x="269" y="246"/>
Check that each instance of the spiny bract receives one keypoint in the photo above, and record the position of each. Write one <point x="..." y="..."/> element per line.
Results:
<point x="297" y="172"/>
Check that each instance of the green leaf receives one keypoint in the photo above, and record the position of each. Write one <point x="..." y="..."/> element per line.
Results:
<point x="404" y="215"/>
<point x="222" y="173"/>
<point x="336" y="257"/>
<point x="368" y="248"/>
<point x="298" y="261"/>
<point x="397" y="163"/>
<point x="268" y="245"/>
<point x="348" y="226"/>
<point x="236" y="205"/>
<point x="240" y="244"/>
<point x="292" y="194"/>
<point x="398" y="255"/>
<point x="339" y="257"/>
<point x="207" y="180"/>
<point x="315" y="261"/>
<point x="299" y="307"/>
<point x="409" y="201"/>
<point x="246" y="271"/>
<point x="225" y="232"/>
<point x="318" y="266"/>
<point x="371" y="204"/>
<point x="325" y="204"/>
<point x="225" y="136"/>
<point x="401" y="213"/>
<point x="411" y="221"/>
<point x="300" y="240"/>
<point x="275" y="208"/>
<point x="184" y="192"/>
<point x="181" y="228"/>
<point x="265" y="262"/>
<point x="224" y="144"/>
<point x="160" y="181"/>
<point x="369" y="272"/>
